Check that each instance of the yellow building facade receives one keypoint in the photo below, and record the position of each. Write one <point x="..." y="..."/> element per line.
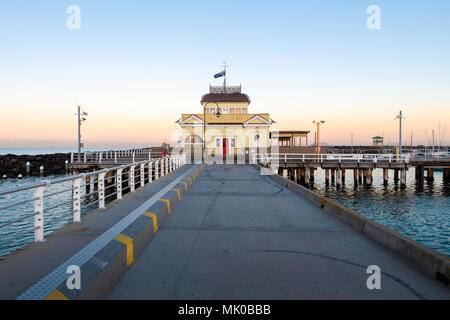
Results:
<point x="226" y="124"/>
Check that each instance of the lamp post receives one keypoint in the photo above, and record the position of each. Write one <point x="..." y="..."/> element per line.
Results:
<point x="81" y="118"/>
<point x="400" y="117"/>
<point x="204" y="124"/>
<point x="318" y="134"/>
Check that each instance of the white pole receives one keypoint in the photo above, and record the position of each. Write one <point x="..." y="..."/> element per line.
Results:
<point x="39" y="214"/>
<point x="101" y="190"/>
<point x="76" y="186"/>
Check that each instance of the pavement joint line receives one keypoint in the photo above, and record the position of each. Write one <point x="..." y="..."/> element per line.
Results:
<point x="42" y="288"/>
<point x="128" y="241"/>
<point x="154" y="218"/>
<point x="167" y="201"/>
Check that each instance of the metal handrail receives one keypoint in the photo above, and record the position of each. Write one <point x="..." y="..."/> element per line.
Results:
<point x="326" y="157"/>
<point x="149" y="171"/>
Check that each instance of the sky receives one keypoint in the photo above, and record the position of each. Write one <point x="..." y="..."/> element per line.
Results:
<point x="135" y="66"/>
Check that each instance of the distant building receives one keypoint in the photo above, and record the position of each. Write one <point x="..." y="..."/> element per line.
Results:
<point x="289" y="138"/>
<point x="377" y="141"/>
<point x="225" y="124"/>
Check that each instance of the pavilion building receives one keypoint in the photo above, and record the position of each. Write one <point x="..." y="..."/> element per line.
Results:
<point x="226" y="126"/>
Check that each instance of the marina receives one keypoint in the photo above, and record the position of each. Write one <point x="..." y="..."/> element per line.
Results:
<point x="225" y="157"/>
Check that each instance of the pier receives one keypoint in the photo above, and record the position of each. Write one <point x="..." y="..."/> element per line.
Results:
<point x="301" y="167"/>
<point x="220" y="231"/>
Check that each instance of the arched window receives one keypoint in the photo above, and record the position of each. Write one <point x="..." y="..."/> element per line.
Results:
<point x="193" y="138"/>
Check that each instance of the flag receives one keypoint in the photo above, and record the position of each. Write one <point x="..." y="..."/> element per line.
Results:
<point x="220" y="74"/>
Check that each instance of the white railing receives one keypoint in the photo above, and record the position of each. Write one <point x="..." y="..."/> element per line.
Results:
<point x="328" y="158"/>
<point x="113" y="156"/>
<point x="148" y="171"/>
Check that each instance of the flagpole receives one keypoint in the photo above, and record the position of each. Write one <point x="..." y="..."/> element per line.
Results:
<point x="225" y="78"/>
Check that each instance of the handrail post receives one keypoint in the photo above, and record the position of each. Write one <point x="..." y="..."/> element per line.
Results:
<point x="150" y="173"/>
<point x="142" y="174"/>
<point x="167" y="165"/>
<point x="119" y="183"/>
<point x="134" y="155"/>
<point x="71" y="157"/>
<point x="39" y="213"/>
<point x="85" y="157"/>
<point x="101" y="190"/>
<point x="156" y="169"/>
<point x="162" y="167"/>
<point x="131" y="178"/>
<point x="100" y="158"/>
<point x="115" y="157"/>
<point x="76" y="186"/>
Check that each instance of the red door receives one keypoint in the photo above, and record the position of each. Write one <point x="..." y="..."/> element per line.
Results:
<point x="225" y="145"/>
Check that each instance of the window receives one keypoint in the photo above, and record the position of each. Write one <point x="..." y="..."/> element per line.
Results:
<point x="257" y="140"/>
<point x="218" y="142"/>
<point x="232" y="142"/>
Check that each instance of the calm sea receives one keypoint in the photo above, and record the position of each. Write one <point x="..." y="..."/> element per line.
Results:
<point x="421" y="213"/>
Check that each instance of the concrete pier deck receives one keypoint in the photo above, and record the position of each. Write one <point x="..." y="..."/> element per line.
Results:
<point x="240" y="235"/>
<point x="24" y="267"/>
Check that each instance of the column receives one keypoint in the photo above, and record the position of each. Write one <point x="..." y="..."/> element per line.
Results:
<point x="307" y="173"/>
<point x="327" y="176"/>
<point x="430" y="174"/>
<point x="338" y="178"/>
<point x="302" y="175"/>
<point x="420" y="174"/>
<point x="403" y="178"/>
<point x="385" y="176"/>
<point x="446" y="175"/>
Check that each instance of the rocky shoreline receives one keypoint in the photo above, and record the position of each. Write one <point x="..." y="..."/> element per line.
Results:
<point x="11" y="165"/>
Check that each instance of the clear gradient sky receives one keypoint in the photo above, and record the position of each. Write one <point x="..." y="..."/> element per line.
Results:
<point x="135" y="66"/>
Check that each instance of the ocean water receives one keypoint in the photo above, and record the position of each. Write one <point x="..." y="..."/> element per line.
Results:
<point x="20" y="233"/>
<point x="421" y="213"/>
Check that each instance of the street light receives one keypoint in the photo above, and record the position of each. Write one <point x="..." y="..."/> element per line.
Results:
<point x="80" y="120"/>
<point x="400" y="117"/>
<point x="318" y="134"/>
<point x="204" y="123"/>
